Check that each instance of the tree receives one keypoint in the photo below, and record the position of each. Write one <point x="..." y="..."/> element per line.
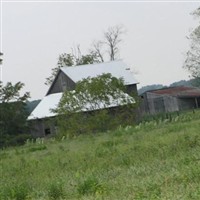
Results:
<point x="97" y="53"/>
<point x="97" y="104"/>
<point x="112" y="40"/>
<point x="109" y="44"/>
<point x="192" y="62"/>
<point x="97" y="50"/>
<point x="63" y="60"/>
<point x="71" y="59"/>
<point x="12" y="113"/>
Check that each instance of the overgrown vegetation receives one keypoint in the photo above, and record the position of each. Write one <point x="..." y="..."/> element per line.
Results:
<point x="100" y="51"/>
<point x="193" y="55"/>
<point x="13" y="125"/>
<point x="157" y="159"/>
<point x="97" y="104"/>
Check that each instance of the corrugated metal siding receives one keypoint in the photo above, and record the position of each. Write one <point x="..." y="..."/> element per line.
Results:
<point x="179" y="91"/>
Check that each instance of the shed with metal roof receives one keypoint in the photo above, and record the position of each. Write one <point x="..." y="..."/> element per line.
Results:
<point x="171" y="99"/>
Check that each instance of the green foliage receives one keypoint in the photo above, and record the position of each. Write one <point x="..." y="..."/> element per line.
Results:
<point x="13" y="114"/>
<point x="150" y="87"/>
<point x="31" y="105"/>
<point x="193" y="55"/>
<point x="96" y="104"/>
<point x="71" y="59"/>
<point x="109" y="45"/>
<point x="18" y="191"/>
<point x="89" y="186"/>
<point x="38" y="148"/>
<point x="56" y="190"/>
<point x="156" y="159"/>
<point x="14" y="140"/>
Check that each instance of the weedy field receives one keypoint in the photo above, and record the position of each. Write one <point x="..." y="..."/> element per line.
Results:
<point x="158" y="159"/>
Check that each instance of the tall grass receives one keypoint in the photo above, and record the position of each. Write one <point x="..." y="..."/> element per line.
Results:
<point x="157" y="159"/>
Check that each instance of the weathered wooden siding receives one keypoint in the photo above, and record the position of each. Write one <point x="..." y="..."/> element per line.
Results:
<point x="42" y="127"/>
<point x="154" y="103"/>
<point x="37" y="128"/>
<point x="61" y="83"/>
<point x="132" y="89"/>
<point x="189" y="103"/>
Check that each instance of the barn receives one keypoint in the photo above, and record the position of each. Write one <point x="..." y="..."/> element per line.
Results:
<point x="42" y="117"/>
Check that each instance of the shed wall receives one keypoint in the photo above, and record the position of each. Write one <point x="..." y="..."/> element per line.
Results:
<point x="188" y="103"/>
<point x="154" y="103"/>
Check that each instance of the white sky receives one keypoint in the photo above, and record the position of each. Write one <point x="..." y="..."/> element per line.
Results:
<point x="34" y="34"/>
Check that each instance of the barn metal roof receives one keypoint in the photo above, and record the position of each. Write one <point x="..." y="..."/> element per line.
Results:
<point x="117" y="69"/>
<point x="180" y="91"/>
<point x="49" y="102"/>
<point x="43" y="109"/>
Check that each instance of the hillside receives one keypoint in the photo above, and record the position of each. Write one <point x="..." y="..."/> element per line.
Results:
<point x="188" y="83"/>
<point x="158" y="159"/>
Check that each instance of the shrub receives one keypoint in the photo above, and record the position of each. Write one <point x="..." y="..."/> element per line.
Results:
<point x="13" y="140"/>
<point x="96" y="105"/>
<point x="17" y="191"/>
<point x="56" y="190"/>
<point x="90" y="186"/>
<point x="37" y="148"/>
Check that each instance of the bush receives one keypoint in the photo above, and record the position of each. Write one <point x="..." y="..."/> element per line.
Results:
<point x="56" y="190"/>
<point x="13" y="140"/>
<point x="96" y="105"/>
<point x="19" y="191"/>
<point x="90" y="186"/>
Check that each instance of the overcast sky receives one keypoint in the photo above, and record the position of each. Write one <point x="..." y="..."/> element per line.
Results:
<point x="34" y="34"/>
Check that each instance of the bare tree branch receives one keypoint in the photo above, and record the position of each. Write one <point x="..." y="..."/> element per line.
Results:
<point x="112" y="40"/>
<point x="98" y="50"/>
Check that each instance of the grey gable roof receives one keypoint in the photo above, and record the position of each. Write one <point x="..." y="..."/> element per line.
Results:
<point x="117" y="69"/>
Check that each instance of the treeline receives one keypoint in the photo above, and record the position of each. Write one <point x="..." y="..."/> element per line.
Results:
<point x="189" y="83"/>
<point x="14" y="129"/>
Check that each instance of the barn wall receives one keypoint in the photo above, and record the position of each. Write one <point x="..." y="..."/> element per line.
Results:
<point x="132" y="89"/>
<point x="37" y="128"/>
<point x="43" y="127"/>
<point x="62" y="83"/>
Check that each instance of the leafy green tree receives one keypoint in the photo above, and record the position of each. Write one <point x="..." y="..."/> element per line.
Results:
<point x="108" y="48"/>
<point x="97" y="104"/>
<point x="12" y="113"/>
<point x="192" y="62"/>
<point x="63" y="60"/>
<point x="71" y="59"/>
